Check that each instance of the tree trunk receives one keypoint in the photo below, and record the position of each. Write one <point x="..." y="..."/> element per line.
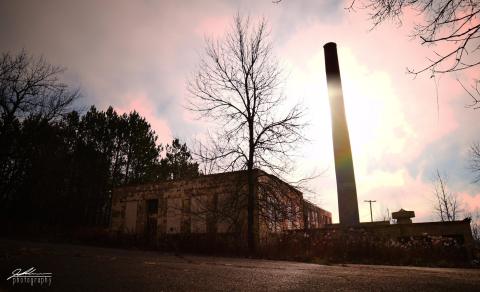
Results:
<point x="251" y="196"/>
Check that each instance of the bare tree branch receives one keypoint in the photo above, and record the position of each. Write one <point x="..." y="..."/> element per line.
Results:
<point x="237" y="85"/>
<point x="447" y="204"/>
<point x="30" y="86"/>
<point x="475" y="161"/>
<point x="452" y="25"/>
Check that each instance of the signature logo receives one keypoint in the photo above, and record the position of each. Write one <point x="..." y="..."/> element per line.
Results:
<point x="30" y="277"/>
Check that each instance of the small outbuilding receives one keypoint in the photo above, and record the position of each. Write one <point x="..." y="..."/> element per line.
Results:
<point x="403" y="216"/>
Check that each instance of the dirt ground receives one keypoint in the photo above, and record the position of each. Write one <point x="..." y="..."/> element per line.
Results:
<point x="87" y="268"/>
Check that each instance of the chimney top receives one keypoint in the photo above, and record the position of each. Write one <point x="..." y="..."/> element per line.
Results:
<point x="330" y="44"/>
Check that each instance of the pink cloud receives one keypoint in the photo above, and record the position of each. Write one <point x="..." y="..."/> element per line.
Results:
<point x="213" y="26"/>
<point x="144" y="106"/>
<point x="470" y="201"/>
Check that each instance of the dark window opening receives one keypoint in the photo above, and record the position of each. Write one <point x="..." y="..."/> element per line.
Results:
<point x="152" y="206"/>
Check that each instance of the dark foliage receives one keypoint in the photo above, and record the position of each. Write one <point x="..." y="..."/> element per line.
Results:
<point x="66" y="169"/>
<point x="57" y="167"/>
<point x="177" y="163"/>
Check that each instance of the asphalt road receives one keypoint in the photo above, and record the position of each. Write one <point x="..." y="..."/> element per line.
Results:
<point x="86" y="268"/>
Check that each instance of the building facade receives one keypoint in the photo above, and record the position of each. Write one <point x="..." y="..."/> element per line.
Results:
<point x="212" y="204"/>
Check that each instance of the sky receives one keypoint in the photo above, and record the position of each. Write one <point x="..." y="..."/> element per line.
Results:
<point x="138" y="55"/>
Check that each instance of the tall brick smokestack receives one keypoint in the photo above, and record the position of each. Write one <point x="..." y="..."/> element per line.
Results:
<point x="346" y="189"/>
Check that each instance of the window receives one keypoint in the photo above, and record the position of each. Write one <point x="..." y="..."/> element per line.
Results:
<point x="152" y="206"/>
<point x="131" y="217"/>
<point x="199" y="210"/>
<point x="174" y="215"/>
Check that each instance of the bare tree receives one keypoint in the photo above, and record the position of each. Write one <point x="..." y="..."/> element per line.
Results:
<point x="475" y="161"/>
<point x="222" y="208"/>
<point x="385" y="215"/>
<point x="451" y="24"/>
<point x="447" y="204"/>
<point x="279" y="207"/>
<point x="29" y="87"/>
<point x="474" y="216"/>
<point x="237" y="85"/>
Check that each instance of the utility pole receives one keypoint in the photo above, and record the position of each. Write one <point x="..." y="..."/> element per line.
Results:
<point x="370" y="201"/>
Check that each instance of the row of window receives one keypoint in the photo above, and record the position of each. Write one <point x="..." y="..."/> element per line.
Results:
<point x="192" y="215"/>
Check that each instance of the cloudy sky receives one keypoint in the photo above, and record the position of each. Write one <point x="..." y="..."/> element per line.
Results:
<point x="139" y="55"/>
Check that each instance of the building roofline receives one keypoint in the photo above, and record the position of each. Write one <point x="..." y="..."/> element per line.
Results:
<point x="202" y="176"/>
<point x="208" y="176"/>
<point x="219" y="174"/>
<point x="315" y="205"/>
<point x="279" y="179"/>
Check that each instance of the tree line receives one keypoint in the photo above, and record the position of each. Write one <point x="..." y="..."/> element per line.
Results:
<point x="59" y="166"/>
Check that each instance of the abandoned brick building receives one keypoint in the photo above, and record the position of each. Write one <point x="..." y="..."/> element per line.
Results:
<point x="212" y="204"/>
